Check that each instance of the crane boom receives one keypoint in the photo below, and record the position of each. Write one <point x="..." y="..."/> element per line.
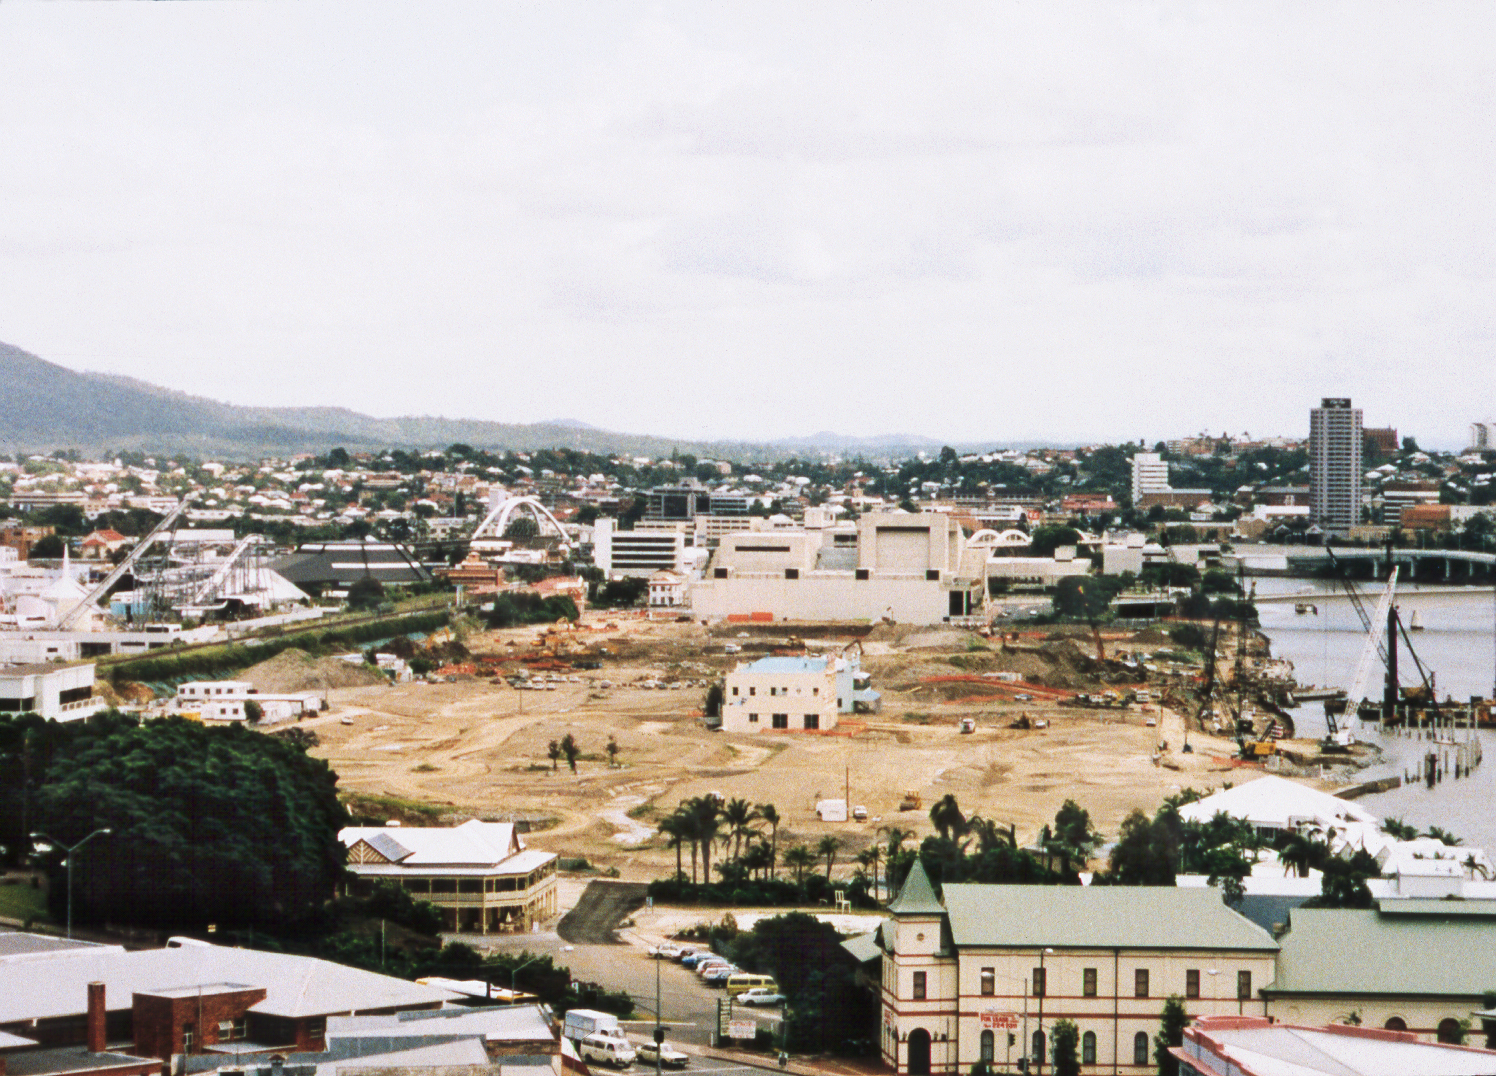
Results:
<point x="91" y="601"/>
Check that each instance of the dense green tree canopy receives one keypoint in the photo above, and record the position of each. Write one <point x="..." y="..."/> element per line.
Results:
<point x="210" y="825"/>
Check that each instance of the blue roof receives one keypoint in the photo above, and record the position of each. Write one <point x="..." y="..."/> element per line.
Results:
<point x="787" y="665"/>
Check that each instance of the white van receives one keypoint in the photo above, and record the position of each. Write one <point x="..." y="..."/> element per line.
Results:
<point x="607" y="1050"/>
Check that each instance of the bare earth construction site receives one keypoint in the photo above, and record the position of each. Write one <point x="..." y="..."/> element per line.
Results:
<point x="478" y="746"/>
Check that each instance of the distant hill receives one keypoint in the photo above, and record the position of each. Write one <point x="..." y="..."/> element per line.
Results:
<point x="45" y="407"/>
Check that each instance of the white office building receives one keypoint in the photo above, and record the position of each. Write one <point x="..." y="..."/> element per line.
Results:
<point x="1335" y="465"/>
<point x="914" y="569"/>
<point x="1150" y="474"/>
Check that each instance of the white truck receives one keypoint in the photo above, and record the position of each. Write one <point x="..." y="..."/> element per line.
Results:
<point x="580" y="1023"/>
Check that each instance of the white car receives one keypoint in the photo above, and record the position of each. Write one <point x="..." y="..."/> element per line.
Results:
<point x="665" y="952"/>
<point x="669" y="1056"/>
<point x="760" y="995"/>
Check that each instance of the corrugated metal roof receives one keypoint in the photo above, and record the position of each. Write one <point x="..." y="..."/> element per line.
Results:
<point x="1084" y="917"/>
<point x="509" y="1023"/>
<point x="294" y="985"/>
<point x="863" y="947"/>
<point x="1300" y="1051"/>
<point x="471" y="844"/>
<point x="1351" y="951"/>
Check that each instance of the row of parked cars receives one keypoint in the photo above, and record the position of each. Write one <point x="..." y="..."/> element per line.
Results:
<point x="744" y="987"/>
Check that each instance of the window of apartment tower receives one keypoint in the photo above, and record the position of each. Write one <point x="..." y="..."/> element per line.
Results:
<point x="1244" y="984"/>
<point x="989" y="983"/>
<point x="919" y="986"/>
<point x="1088" y="982"/>
<point x="1192" y="983"/>
<point x="1140" y="983"/>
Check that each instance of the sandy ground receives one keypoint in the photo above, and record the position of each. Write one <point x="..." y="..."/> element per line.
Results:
<point x="480" y="747"/>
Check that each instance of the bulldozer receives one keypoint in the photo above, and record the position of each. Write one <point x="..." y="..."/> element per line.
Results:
<point x="911" y="801"/>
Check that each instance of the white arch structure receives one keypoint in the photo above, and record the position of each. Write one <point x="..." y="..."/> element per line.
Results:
<point x="502" y="514"/>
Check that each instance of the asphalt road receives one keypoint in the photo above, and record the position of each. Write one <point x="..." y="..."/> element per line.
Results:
<point x="603" y="905"/>
<point x="688" y="1007"/>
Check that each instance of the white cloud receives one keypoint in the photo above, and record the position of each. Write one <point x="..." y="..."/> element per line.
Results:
<point x="984" y="221"/>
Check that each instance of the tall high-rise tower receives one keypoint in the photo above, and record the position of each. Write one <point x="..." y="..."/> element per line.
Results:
<point x="1335" y="465"/>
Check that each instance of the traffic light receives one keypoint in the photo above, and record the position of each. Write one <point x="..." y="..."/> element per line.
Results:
<point x="1023" y="1064"/>
<point x="1012" y="1040"/>
<point x="659" y="1035"/>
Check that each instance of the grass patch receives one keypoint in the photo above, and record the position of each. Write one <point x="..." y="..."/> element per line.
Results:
<point x="22" y="902"/>
<point x="644" y="812"/>
<point x="916" y="719"/>
<point x="425" y="767"/>
<point x="375" y="810"/>
<point x="536" y="767"/>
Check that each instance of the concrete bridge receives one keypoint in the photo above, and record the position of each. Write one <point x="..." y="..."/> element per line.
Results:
<point x="1424" y="564"/>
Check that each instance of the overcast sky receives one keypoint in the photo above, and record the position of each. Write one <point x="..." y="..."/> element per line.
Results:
<point x="1002" y="221"/>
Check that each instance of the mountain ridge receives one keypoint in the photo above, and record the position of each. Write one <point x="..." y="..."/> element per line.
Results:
<point x="46" y="407"/>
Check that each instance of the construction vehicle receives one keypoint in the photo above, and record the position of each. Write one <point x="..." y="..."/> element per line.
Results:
<point x="911" y="801"/>
<point x="968" y="724"/>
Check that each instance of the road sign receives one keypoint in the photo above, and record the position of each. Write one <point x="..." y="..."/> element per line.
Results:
<point x="742" y="1029"/>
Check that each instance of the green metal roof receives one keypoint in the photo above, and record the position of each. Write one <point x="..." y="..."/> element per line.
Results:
<point x="1350" y="951"/>
<point x="864" y="947"/>
<point x="1087" y="917"/>
<point x="918" y="895"/>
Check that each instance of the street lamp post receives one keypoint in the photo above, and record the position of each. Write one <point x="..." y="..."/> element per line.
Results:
<point x="1043" y="989"/>
<point x="514" y="969"/>
<point x="43" y="843"/>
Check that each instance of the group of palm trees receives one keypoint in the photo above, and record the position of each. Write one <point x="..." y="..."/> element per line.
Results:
<point x="738" y="827"/>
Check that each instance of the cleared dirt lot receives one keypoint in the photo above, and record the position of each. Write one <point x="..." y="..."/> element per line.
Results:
<point x="480" y="747"/>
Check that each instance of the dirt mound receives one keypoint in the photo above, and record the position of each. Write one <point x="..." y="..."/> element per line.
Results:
<point x="296" y="670"/>
<point x="941" y="639"/>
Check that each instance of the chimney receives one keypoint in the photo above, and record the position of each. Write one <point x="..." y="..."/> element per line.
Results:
<point x="96" y="1018"/>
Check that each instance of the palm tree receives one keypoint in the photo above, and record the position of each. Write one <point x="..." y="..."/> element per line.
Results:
<point x="1443" y="836"/>
<point x="798" y="858"/>
<point x="684" y="822"/>
<point x="946" y="817"/>
<point x="738" y="815"/>
<point x="756" y="856"/>
<point x="896" y="838"/>
<point x="707" y="815"/>
<point x="767" y="813"/>
<point x="1301" y="852"/>
<point x="868" y="859"/>
<point x="828" y="847"/>
<point x="674" y="827"/>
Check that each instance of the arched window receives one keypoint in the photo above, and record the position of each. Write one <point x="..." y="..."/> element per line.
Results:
<point x="1088" y="1048"/>
<point x="1038" y="1054"/>
<point x="987" y="1046"/>
<point x="1140" y="1048"/>
<point x="1396" y="1023"/>
<point x="1450" y="1031"/>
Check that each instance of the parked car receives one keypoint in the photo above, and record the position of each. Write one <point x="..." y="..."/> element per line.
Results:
<point x="690" y="960"/>
<point x="686" y="952"/>
<point x="665" y="952"/>
<point x="719" y="976"/>
<point x="669" y="1056"/>
<point x="760" y="995"/>
<point x="607" y="1050"/>
<point x="704" y="967"/>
